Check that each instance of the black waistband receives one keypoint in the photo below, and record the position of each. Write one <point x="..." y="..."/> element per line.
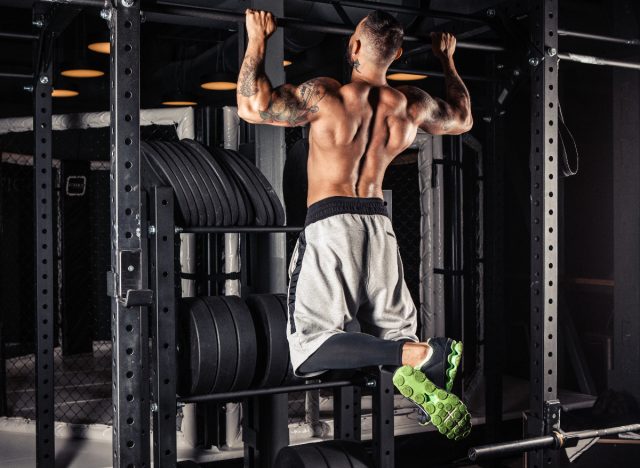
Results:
<point x="345" y="205"/>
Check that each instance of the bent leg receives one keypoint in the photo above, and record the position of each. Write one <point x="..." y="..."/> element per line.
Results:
<point x="353" y="351"/>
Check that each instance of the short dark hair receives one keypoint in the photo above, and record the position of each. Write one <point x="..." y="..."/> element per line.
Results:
<point x="385" y="33"/>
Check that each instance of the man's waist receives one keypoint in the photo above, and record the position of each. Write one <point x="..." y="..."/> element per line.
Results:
<point x="337" y="205"/>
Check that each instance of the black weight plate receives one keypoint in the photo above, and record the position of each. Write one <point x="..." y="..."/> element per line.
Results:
<point x="222" y="206"/>
<point x="173" y="161"/>
<point x="155" y="161"/>
<point x="271" y="336"/>
<point x="300" y="456"/>
<point x="245" y="207"/>
<point x="224" y="182"/>
<point x="199" y="347"/>
<point x="262" y="211"/>
<point x="334" y="455"/>
<point x="227" y="344"/>
<point x="246" y="339"/>
<point x="148" y="173"/>
<point x="212" y="206"/>
<point x="252" y="174"/>
<point x="272" y="196"/>
<point x="355" y="452"/>
<point x="290" y="378"/>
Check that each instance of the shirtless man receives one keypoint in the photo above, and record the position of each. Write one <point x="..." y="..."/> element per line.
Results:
<point x="349" y="306"/>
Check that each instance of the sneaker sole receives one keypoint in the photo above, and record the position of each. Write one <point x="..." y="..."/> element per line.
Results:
<point x="448" y="414"/>
<point x="453" y="359"/>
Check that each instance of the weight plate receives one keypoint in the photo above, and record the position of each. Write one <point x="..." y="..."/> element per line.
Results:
<point x="290" y="378"/>
<point x="196" y="203"/>
<point x="333" y="454"/>
<point x="148" y="173"/>
<point x="245" y="166"/>
<point x="172" y="181"/>
<point x="271" y="195"/>
<point x="300" y="456"/>
<point x="212" y="205"/>
<point x="213" y="183"/>
<point x="271" y="336"/>
<point x="225" y="184"/>
<point x="354" y="451"/>
<point x="227" y="344"/>
<point x="246" y="339"/>
<point x="246" y="214"/>
<point x="198" y="357"/>
<point x="262" y="211"/>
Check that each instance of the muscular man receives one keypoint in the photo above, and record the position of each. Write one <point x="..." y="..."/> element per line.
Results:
<point x="349" y="306"/>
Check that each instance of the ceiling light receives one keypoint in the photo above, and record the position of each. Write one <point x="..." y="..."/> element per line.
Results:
<point x="218" y="82"/>
<point x="100" y="47"/>
<point x="286" y="63"/>
<point x="81" y="73"/>
<point x="64" y="93"/>
<point x="179" y="103"/>
<point x="179" y="99"/>
<point x="405" y="76"/>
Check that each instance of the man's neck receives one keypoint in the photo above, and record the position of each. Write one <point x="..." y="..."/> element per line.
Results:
<point x="367" y="73"/>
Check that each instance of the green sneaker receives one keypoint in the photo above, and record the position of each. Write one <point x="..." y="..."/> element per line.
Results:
<point x="442" y="366"/>
<point x="442" y="409"/>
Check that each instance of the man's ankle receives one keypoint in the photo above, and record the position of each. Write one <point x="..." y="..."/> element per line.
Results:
<point x="415" y="354"/>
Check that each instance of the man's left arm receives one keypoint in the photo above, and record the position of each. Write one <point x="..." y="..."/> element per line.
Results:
<point x="258" y="101"/>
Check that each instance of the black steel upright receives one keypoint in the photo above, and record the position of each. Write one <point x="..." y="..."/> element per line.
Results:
<point x="544" y="221"/>
<point x="44" y="254"/>
<point x="130" y="375"/>
<point x="163" y="381"/>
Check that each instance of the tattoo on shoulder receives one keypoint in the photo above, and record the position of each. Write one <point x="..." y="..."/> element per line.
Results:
<point x="292" y="105"/>
<point x="248" y="77"/>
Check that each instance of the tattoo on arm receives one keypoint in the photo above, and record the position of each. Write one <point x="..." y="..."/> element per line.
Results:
<point x="294" y="105"/>
<point x="251" y="67"/>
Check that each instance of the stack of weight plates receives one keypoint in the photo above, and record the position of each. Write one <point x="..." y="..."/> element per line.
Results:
<point x="225" y="344"/>
<point x="329" y="454"/>
<point x="212" y="188"/>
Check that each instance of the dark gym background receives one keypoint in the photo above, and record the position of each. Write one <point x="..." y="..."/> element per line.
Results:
<point x="590" y="98"/>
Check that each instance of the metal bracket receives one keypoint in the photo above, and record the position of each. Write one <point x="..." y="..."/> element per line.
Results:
<point x="551" y="415"/>
<point x="127" y="287"/>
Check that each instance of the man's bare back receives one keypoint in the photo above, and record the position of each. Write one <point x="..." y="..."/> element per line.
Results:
<point x="356" y="129"/>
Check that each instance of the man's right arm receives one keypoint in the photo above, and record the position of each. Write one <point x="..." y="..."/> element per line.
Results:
<point x="436" y="116"/>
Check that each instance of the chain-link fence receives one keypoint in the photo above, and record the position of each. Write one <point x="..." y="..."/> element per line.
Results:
<point x="82" y="354"/>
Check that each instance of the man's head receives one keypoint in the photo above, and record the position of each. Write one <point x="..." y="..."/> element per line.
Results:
<point x="377" y="39"/>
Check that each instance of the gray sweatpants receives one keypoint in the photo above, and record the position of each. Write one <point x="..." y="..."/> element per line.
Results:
<point x="346" y="276"/>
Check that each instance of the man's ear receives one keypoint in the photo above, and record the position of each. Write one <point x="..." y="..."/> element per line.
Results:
<point x="356" y="46"/>
<point x="398" y="54"/>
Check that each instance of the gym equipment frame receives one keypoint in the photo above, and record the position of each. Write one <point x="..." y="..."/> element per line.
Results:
<point x="130" y="293"/>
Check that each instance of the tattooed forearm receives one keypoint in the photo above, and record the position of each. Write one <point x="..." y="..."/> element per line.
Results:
<point x="292" y="105"/>
<point x="247" y="83"/>
<point x="457" y="93"/>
